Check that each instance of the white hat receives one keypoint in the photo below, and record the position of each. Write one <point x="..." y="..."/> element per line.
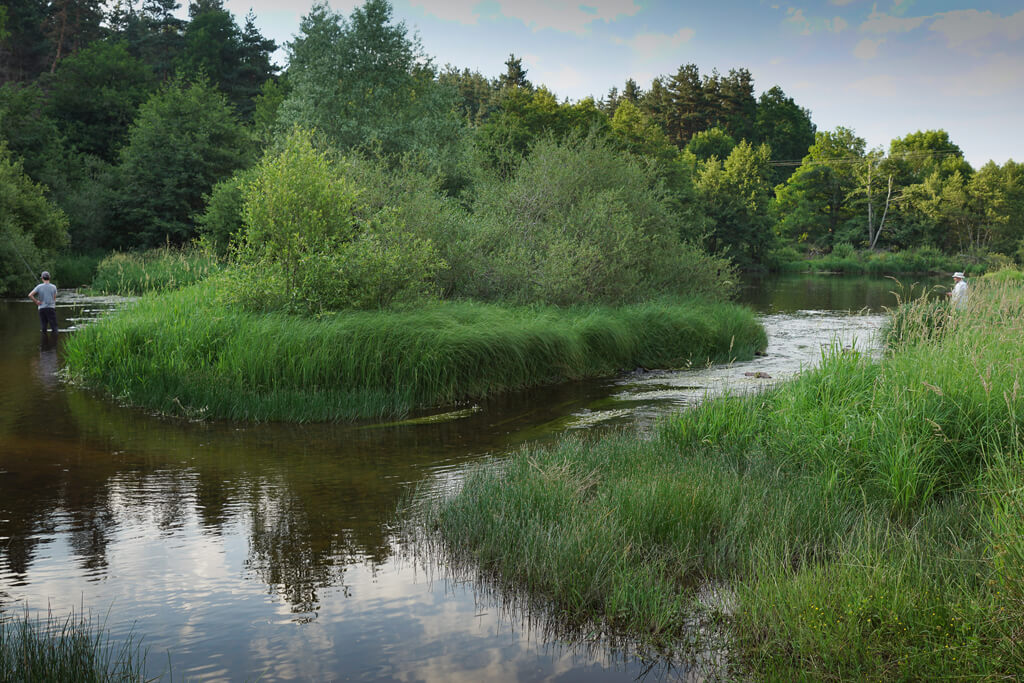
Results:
<point x="958" y="274"/>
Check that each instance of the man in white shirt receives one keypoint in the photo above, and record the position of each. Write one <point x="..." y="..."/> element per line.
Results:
<point x="958" y="297"/>
<point x="45" y="297"/>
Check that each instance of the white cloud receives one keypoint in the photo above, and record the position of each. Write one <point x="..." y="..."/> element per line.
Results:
<point x="886" y="23"/>
<point x="796" y="17"/>
<point x="837" y="25"/>
<point x="867" y="48"/>
<point x="964" y="26"/>
<point x="570" y="16"/>
<point x="650" y="45"/>
<point x="462" y="11"/>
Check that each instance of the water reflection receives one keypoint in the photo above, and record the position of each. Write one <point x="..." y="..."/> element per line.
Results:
<point x="249" y="550"/>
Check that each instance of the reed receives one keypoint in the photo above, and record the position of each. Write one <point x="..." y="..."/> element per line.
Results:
<point x="75" y="648"/>
<point x="156" y="270"/>
<point x="861" y="522"/>
<point x="182" y="353"/>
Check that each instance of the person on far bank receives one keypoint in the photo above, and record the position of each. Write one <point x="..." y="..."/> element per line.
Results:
<point x="958" y="297"/>
<point x="45" y="297"/>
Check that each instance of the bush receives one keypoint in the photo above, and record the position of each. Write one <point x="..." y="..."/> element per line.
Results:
<point x="310" y="243"/>
<point x="582" y="223"/>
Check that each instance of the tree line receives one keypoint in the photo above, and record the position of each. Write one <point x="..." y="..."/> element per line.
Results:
<point x="125" y="127"/>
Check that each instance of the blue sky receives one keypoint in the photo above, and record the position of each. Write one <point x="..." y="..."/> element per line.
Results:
<point x="883" y="69"/>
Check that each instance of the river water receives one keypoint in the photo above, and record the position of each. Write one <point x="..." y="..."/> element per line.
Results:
<point x="241" y="552"/>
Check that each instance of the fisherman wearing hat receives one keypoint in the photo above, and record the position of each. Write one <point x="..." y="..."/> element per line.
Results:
<point x="958" y="297"/>
<point x="45" y="298"/>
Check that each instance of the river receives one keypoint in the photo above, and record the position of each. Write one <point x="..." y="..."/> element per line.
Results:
<point x="242" y="552"/>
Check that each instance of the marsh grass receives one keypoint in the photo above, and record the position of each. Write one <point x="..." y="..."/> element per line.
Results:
<point x="844" y="259"/>
<point x="156" y="270"/>
<point x="183" y="353"/>
<point x="867" y="517"/>
<point x="75" y="648"/>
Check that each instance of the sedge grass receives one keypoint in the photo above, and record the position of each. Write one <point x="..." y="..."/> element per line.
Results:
<point x="183" y="353"/>
<point x="74" y="648"/>
<point x="866" y="519"/>
<point x="156" y="270"/>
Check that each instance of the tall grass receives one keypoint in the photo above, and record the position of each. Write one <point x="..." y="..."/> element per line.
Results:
<point x="71" y="649"/>
<point x="75" y="270"/>
<point x="184" y="353"/>
<point x="864" y="521"/>
<point x="844" y="259"/>
<point x="156" y="270"/>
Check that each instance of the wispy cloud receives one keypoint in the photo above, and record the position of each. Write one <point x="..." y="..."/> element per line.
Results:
<point x="569" y="16"/>
<point x="795" y="16"/>
<point x="461" y="11"/>
<point x="650" y="45"/>
<point x="882" y="24"/>
<point x="970" y="26"/>
<point x="837" y="25"/>
<point x="867" y="48"/>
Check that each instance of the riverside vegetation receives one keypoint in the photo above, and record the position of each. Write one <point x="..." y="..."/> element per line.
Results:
<point x="75" y="648"/>
<point x="346" y="295"/>
<point x="864" y="521"/>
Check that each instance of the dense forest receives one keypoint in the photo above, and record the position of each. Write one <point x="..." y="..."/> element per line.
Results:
<point x="124" y="127"/>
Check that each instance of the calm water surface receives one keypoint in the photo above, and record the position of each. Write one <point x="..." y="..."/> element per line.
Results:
<point x="270" y="552"/>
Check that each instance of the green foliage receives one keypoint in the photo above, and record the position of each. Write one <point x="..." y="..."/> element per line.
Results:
<point x="364" y="84"/>
<point x="786" y="128"/>
<point x="309" y="243"/>
<point x="736" y="195"/>
<point x="95" y="94"/>
<point x="76" y="270"/>
<point x="32" y="229"/>
<point x="713" y="142"/>
<point x="221" y="222"/>
<point x="183" y="353"/>
<point x="237" y="61"/>
<point x="580" y="222"/>
<point x="185" y="139"/>
<point x="30" y="132"/>
<point x="155" y="270"/>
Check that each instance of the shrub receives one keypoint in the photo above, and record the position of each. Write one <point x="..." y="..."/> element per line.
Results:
<point x="310" y="243"/>
<point x="582" y="223"/>
<point x="31" y="228"/>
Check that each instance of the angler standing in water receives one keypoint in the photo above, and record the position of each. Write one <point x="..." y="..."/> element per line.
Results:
<point x="45" y="297"/>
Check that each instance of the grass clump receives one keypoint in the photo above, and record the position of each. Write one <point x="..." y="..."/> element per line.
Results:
<point x="70" y="649"/>
<point x="184" y="353"/>
<point x="156" y="270"/>
<point x="864" y="521"/>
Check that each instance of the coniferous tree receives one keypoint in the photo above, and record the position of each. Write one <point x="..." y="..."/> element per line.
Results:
<point x="515" y="74"/>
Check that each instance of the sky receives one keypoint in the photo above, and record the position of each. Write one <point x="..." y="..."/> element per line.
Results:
<point x="881" y="68"/>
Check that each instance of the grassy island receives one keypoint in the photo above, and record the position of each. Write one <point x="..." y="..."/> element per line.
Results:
<point x="183" y="353"/>
<point x="862" y="522"/>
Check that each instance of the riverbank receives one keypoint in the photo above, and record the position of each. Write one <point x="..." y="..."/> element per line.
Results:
<point x="182" y="353"/>
<point x="863" y="521"/>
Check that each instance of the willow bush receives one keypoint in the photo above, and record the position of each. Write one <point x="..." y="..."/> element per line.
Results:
<point x="309" y="243"/>
<point x="580" y="222"/>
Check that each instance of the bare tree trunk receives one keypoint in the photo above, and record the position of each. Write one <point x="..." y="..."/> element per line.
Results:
<point x="885" y="212"/>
